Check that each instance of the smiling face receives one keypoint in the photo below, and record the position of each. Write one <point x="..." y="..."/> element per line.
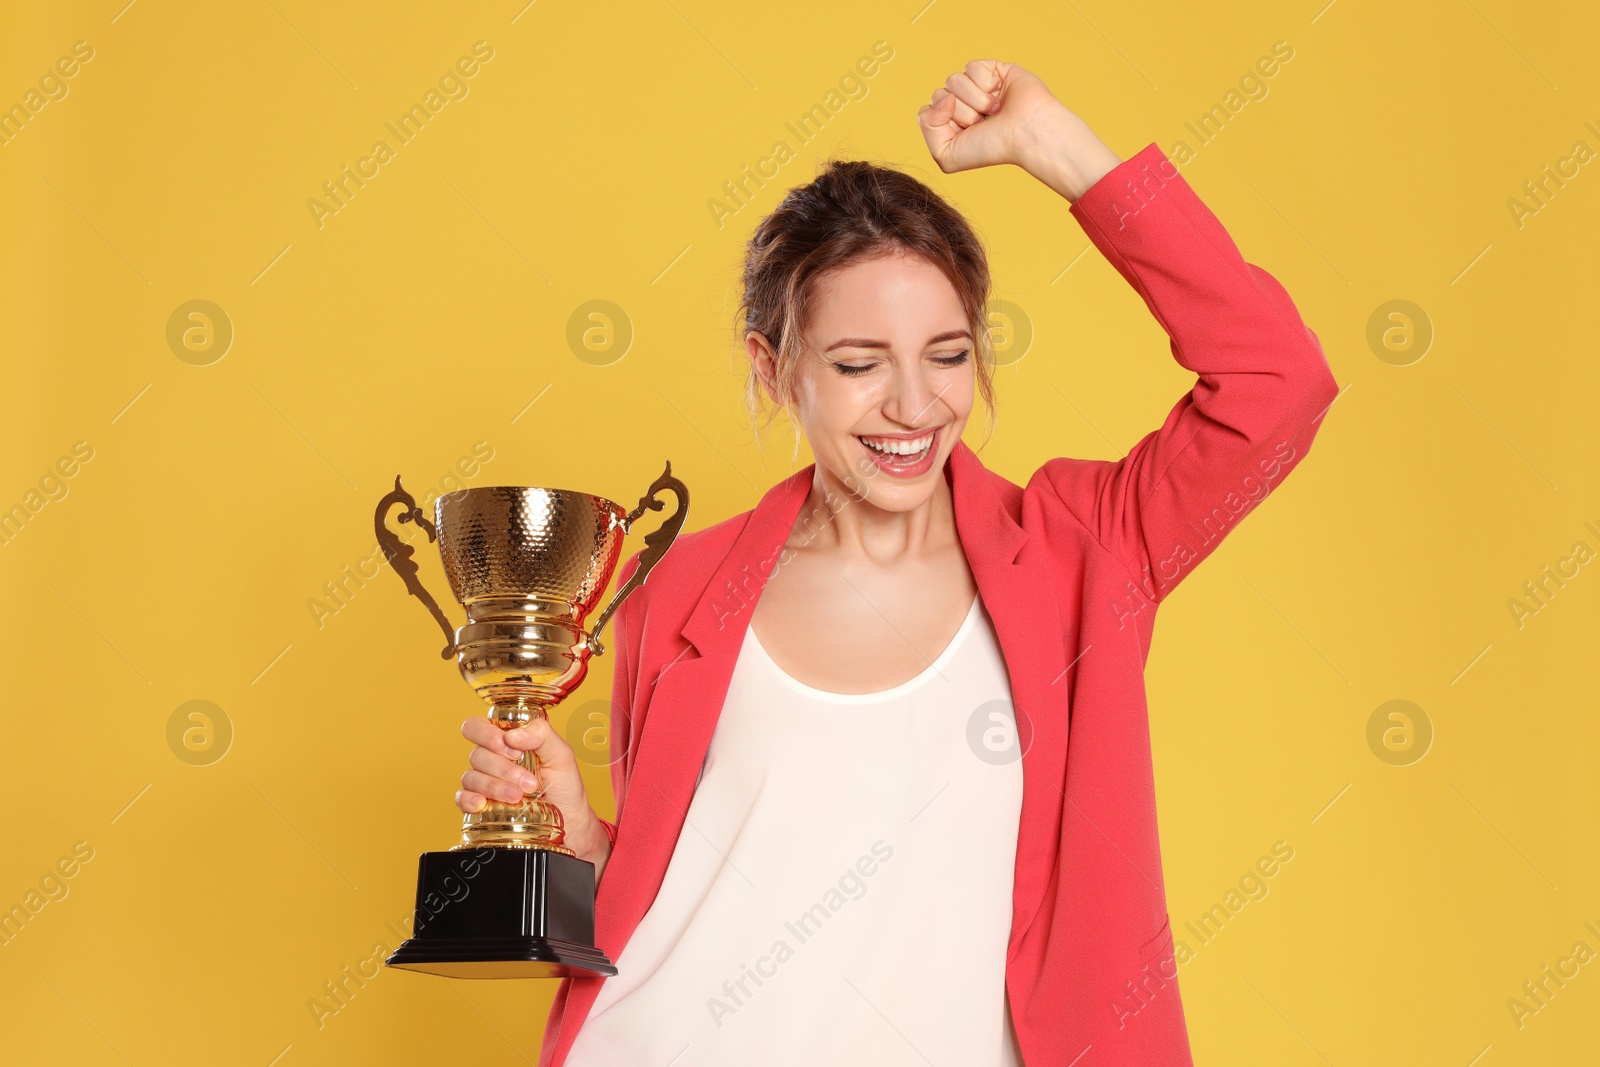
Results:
<point x="885" y="382"/>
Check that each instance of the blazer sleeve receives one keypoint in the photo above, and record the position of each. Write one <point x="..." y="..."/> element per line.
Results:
<point x="1263" y="382"/>
<point x="624" y="645"/>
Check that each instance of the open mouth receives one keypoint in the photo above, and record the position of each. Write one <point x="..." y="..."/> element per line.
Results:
<point x="901" y="456"/>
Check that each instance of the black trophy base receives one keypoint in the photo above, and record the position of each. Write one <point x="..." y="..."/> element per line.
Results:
<point x="503" y="913"/>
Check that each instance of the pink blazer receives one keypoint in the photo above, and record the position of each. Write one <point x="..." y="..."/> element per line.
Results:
<point x="1071" y="568"/>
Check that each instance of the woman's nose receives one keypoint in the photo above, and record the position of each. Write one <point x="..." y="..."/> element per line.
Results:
<point x="913" y="391"/>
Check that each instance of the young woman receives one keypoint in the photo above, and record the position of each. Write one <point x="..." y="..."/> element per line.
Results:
<point x="851" y="827"/>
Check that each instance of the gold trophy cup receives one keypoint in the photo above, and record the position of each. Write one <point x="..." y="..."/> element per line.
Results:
<point x="511" y="899"/>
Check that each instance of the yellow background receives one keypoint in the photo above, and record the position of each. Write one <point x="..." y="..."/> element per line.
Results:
<point x="432" y="310"/>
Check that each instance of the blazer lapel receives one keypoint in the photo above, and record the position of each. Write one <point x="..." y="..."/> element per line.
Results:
<point x="685" y="703"/>
<point x="1019" y="589"/>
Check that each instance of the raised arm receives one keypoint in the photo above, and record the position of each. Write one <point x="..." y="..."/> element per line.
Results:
<point x="1263" y="383"/>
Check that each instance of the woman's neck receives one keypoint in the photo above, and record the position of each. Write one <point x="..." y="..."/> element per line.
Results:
<point x="843" y="517"/>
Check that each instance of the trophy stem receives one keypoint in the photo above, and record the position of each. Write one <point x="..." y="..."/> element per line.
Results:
<point x="533" y="822"/>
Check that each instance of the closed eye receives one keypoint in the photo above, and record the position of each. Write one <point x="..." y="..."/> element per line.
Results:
<point x="851" y="369"/>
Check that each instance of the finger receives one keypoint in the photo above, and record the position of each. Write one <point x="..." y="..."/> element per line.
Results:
<point x="962" y="114"/>
<point x="934" y="118"/>
<point x="470" y="802"/>
<point x="987" y="74"/>
<point x="481" y="730"/>
<point x="974" y="102"/>
<point x="935" y="112"/>
<point x="538" y="737"/>
<point x="529" y="736"/>
<point x="499" y="767"/>
<point x="491" y="788"/>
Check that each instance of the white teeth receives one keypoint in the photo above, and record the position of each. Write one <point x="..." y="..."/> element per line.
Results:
<point x="900" y="448"/>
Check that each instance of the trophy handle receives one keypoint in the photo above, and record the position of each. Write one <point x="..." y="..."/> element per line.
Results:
<point x="399" y="554"/>
<point x="657" y="542"/>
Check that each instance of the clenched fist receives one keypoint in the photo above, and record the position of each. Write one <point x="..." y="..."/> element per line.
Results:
<point x="991" y="113"/>
<point x="495" y="775"/>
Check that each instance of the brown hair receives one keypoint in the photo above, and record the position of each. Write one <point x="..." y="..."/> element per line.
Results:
<point x="852" y="211"/>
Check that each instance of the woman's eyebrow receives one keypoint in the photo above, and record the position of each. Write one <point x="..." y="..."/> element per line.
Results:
<point x="868" y="342"/>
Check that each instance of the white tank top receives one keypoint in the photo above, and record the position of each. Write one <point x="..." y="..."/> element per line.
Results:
<point x="841" y="889"/>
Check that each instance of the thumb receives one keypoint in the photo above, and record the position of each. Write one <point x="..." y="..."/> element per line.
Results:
<point x="938" y="112"/>
<point x="936" y="120"/>
<point x="537" y="738"/>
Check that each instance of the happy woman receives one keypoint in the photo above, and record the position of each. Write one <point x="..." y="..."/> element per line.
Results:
<point x="880" y="745"/>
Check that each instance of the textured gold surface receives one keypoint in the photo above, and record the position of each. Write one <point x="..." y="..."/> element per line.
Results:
<point x="554" y="544"/>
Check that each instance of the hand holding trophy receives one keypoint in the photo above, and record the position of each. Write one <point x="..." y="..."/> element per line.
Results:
<point x="528" y="564"/>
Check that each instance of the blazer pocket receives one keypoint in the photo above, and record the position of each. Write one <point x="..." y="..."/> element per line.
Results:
<point x="1159" y="945"/>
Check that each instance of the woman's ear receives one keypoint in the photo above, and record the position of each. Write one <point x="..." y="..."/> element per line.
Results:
<point x="765" y="362"/>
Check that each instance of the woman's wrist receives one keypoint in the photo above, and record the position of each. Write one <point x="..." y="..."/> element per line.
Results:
<point x="590" y="841"/>
<point x="1064" y="153"/>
